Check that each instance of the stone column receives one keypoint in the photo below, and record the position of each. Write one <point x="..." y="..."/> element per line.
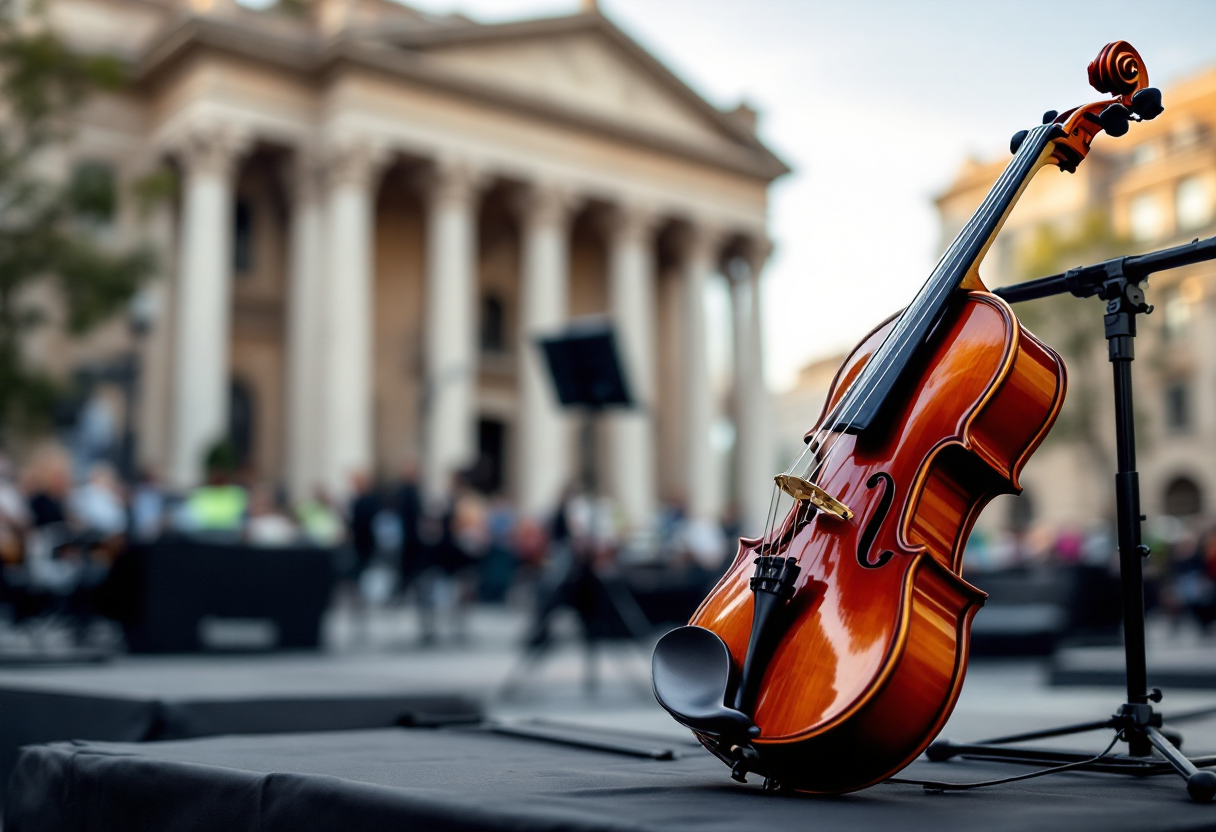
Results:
<point x="306" y="326"/>
<point x="753" y="451"/>
<point x="156" y="359"/>
<point x="351" y="173"/>
<point x="703" y="490"/>
<point x="203" y="299"/>
<point x="451" y="356"/>
<point x="631" y="288"/>
<point x="544" y="306"/>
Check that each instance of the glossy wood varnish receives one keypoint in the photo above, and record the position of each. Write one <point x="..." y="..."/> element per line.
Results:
<point x="873" y="660"/>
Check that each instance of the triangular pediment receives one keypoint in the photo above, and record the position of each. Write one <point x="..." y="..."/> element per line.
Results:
<point x="585" y="70"/>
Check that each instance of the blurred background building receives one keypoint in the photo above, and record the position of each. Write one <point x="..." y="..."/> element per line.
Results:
<point x="377" y="213"/>
<point x="1154" y="188"/>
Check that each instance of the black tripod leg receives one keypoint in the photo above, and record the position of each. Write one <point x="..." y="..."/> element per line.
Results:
<point x="1200" y="785"/>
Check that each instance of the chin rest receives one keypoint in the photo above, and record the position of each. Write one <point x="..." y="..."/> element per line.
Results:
<point x="691" y="670"/>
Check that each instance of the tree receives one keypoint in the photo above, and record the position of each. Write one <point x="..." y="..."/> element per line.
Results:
<point x="1074" y="328"/>
<point x="45" y="225"/>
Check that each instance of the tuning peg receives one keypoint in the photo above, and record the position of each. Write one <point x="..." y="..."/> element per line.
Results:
<point x="1017" y="140"/>
<point x="1114" y="119"/>
<point x="1146" y="103"/>
<point x="1050" y="116"/>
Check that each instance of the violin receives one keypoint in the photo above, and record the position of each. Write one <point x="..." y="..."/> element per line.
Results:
<point x="832" y="651"/>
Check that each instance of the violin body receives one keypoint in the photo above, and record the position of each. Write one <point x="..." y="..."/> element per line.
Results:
<point x="874" y="645"/>
<point x="833" y="650"/>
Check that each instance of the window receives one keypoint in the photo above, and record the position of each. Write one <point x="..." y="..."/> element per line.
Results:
<point x="493" y="335"/>
<point x="487" y="474"/>
<point x="1187" y="136"/>
<point x="1193" y="203"/>
<point x="1177" y="407"/>
<point x="1143" y="154"/>
<point x="1183" y="497"/>
<point x="1146" y="217"/>
<point x="242" y="238"/>
<point x="93" y="192"/>
<point x="1177" y="315"/>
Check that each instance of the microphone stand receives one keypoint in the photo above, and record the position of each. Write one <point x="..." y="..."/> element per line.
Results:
<point x="1118" y="283"/>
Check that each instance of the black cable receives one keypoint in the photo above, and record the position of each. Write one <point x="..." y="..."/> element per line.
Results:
<point x="936" y="787"/>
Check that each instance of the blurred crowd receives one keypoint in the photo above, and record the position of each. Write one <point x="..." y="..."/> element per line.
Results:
<point x="63" y="526"/>
<point x="61" y="532"/>
<point x="1179" y="574"/>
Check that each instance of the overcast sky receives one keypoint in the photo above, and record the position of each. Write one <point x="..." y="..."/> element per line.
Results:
<point x="875" y="104"/>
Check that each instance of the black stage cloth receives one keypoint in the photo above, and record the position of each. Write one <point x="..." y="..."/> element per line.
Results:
<point x="451" y="779"/>
<point x="171" y="699"/>
<point x="165" y="593"/>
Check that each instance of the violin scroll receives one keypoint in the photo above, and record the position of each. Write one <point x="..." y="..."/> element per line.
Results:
<point x="1118" y="70"/>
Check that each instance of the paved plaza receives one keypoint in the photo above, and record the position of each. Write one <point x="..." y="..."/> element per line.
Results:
<point x="382" y="649"/>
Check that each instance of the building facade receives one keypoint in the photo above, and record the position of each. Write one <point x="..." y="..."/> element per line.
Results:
<point x="379" y="211"/>
<point x="1153" y="188"/>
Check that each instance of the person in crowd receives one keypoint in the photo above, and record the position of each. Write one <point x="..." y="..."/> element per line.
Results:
<point x="1192" y="588"/>
<point x="148" y="507"/>
<point x="449" y="536"/>
<point x="269" y="524"/>
<point x="407" y="503"/>
<point x="498" y="563"/>
<point x="215" y="509"/>
<point x="14" y="517"/>
<point x="48" y="486"/>
<point x="97" y="506"/>
<point x="48" y="482"/>
<point x="361" y="519"/>
<point x="530" y="545"/>
<point x="320" y="522"/>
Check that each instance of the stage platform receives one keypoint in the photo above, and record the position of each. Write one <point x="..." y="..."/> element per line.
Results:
<point x="1170" y="667"/>
<point x="466" y="779"/>
<point x="139" y="699"/>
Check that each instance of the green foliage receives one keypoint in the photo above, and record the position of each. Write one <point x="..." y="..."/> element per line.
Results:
<point x="295" y="8"/>
<point x="221" y="459"/>
<point x="1074" y="327"/>
<point x="154" y="188"/>
<point x="48" y="229"/>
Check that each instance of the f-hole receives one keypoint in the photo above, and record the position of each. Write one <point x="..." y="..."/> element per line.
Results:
<point x="876" y="520"/>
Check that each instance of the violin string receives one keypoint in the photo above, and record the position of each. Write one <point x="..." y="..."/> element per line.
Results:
<point x="1014" y="171"/>
<point x="1005" y="185"/>
<point x="953" y="253"/>
<point x="823" y="459"/>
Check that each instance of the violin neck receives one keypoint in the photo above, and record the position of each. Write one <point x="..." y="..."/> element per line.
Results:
<point x="872" y="389"/>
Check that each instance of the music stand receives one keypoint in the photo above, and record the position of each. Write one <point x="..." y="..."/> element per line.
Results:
<point x="1117" y="282"/>
<point x="588" y="377"/>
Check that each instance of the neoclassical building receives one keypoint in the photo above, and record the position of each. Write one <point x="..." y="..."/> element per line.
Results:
<point x="379" y="211"/>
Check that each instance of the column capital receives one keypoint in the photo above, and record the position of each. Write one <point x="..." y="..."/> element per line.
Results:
<point x="759" y="249"/>
<point x="701" y="241"/>
<point x="546" y="204"/>
<point x="354" y="160"/>
<point x="210" y="147"/>
<point x="453" y="181"/>
<point x="632" y="223"/>
<point x="302" y="174"/>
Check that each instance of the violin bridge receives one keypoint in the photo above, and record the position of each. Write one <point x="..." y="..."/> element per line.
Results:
<point x="805" y="491"/>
